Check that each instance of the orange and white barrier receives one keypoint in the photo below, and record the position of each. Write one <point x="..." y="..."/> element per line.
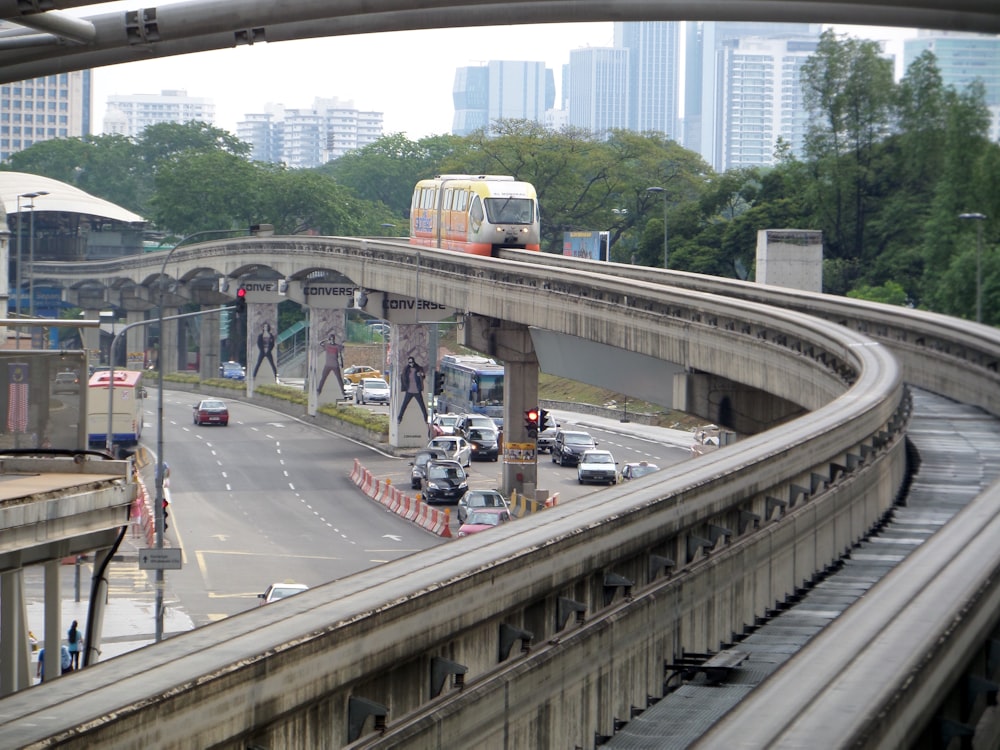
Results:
<point x="398" y="502"/>
<point x="552" y="501"/>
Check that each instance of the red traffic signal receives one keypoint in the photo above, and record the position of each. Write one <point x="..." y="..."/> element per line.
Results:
<point x="241" y="293"/>
<point x="531" y="422"/>
<point x="241" y="300"/>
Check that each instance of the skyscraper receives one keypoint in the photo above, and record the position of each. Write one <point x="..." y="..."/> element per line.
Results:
<point x="501" y="90"/>
<point x="40" y="109"/>
<point x="962" y="59"/>
<point x="130" y="114"/>
<point x="598" y="89"/>
<point x="708" y="44"/>
<point x="653" y="75"/>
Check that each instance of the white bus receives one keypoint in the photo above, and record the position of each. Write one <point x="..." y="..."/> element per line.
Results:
<point x="127" y="399"/>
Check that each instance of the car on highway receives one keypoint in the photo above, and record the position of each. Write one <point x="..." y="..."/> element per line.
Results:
<point x="356" y="373"/>
<point x="546" y="440"/>
<point x="484" y="443"/>
<point x="277" y="591"/>
<point x="418" y="465"/>
<point x="372" y="391"/>
<point x="211" y="411"/>
<point x="597" y="466"/>
<point x="456" y="446"/>
<point x="569" y="445"/>
<point x="483" y="519"/>
<point x="467" y="422"/>
<point x="476" y="499"/>
<point x="66" y="382"/>
<point x="232" y="371"/>
<point x="350" y="387"/>
<point x="444" y="482"/>
<point x="636" y="469"/>
<point x="444" y="424"/>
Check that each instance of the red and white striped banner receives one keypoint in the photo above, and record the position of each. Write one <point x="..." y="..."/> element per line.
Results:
<point x="17" y="397"/>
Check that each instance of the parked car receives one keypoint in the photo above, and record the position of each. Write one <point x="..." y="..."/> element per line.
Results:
<point x="418" y="466"/>
<point x="444" y="482"/>
<point x="444" y="424"/>
<point x="569" y="445"/>
<point x="211" y="411"/>
<point x="280" y="591"/>
<point x="372" y="391"/>
<point x="232" y="371"/>
<point x="457" y="448"/>
<point x="356" y="373"/>
<point x="484" y="444"/>
<point x="467" y="422"/>
<point x="597" y="466"/>
<point x="66" y="382"/>
<point x="636" y="469"/>
<point x="476" y="499"/>
<point x="483" y="519"/>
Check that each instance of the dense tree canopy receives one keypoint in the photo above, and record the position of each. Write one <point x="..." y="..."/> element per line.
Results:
<point x="886" y="171"/>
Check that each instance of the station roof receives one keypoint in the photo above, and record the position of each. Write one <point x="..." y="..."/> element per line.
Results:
<point x="61" y="198"/>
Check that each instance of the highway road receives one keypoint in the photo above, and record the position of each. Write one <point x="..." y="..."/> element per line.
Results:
<point x="269" y="498"/>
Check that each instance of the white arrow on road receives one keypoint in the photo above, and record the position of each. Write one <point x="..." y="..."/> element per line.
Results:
<point x="393" y="537"/>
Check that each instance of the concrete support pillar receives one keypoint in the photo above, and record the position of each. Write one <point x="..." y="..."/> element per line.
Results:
<point x="91" y="338"/>
<point x="135" y="340"/>
<point x="169" y="344"/>
<point x="408" y="412"/>
<point x="511" y="344"/>
<point x="53" y="619"/>
<point x="208" y="346"/>
<point x="731" y="405"/>
<point x="95" y="628"/>
<point x="15" y="651"/>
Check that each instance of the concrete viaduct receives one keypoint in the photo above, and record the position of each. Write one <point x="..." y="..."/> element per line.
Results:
<point x="550" y="635"/>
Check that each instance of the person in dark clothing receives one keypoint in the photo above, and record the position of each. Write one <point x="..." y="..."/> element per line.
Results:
<point x="412" y="384"/>
<point x="265" y="348"/>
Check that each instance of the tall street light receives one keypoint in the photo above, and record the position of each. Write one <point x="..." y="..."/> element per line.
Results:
<point x="666" y="252"/>
<point x="158" y="503"/>
<point x="979" y="219"/>
<point x="31" y="251"/>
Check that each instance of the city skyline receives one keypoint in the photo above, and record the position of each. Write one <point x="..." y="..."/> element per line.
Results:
<point x="418" y="103"/>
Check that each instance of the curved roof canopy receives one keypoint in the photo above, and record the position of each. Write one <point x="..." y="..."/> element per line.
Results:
<point x="60" y="198"/>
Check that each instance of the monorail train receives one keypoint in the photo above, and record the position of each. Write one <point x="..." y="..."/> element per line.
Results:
<point x="474" y="213"/>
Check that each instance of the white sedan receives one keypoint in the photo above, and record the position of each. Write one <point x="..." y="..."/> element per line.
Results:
<point x="458" y="448"/>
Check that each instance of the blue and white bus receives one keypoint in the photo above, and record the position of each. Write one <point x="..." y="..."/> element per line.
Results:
<point x="472" y="385"/>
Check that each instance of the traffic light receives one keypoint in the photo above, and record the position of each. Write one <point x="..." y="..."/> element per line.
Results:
<point x="531" y="422"/>
<point x="241" y="300"/>
<point x="438" y="383"/>
<point x="543" y="419"/>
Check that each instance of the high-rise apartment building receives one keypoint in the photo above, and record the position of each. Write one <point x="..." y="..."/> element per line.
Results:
<point x="709" y="53"/>
<point x="130" y="114"/>
<point x="761" y="99"/>
<point x="962" y="59"/>
<point x="653" y="75"/>
<point x="501" y="90"/>
<point x="305" y="138"/>
<point x="599" y="89"/>
<point x="41" y="109"/>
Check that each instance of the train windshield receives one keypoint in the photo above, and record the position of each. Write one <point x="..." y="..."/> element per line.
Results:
<point x="510" y="210"/>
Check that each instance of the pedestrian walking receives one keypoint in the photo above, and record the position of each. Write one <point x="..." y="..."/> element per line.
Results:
<point x="75" y="639"/>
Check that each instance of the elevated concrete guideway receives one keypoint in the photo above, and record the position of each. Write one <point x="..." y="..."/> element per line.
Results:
<point x="590" y="601"/>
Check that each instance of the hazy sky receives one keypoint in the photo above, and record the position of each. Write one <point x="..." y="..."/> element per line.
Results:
<point x="407" y="75"/>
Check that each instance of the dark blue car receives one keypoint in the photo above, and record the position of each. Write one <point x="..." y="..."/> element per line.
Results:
<point x="232" y="371"/>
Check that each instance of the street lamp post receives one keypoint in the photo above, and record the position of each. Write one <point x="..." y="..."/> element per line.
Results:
<point x="979" y="219"/>
<point x="158" y="502"/>
<point x="666" y="248"/>
<point x="31" y="251"/>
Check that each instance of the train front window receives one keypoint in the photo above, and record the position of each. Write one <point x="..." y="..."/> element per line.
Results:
<point x="510" y="210"/>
